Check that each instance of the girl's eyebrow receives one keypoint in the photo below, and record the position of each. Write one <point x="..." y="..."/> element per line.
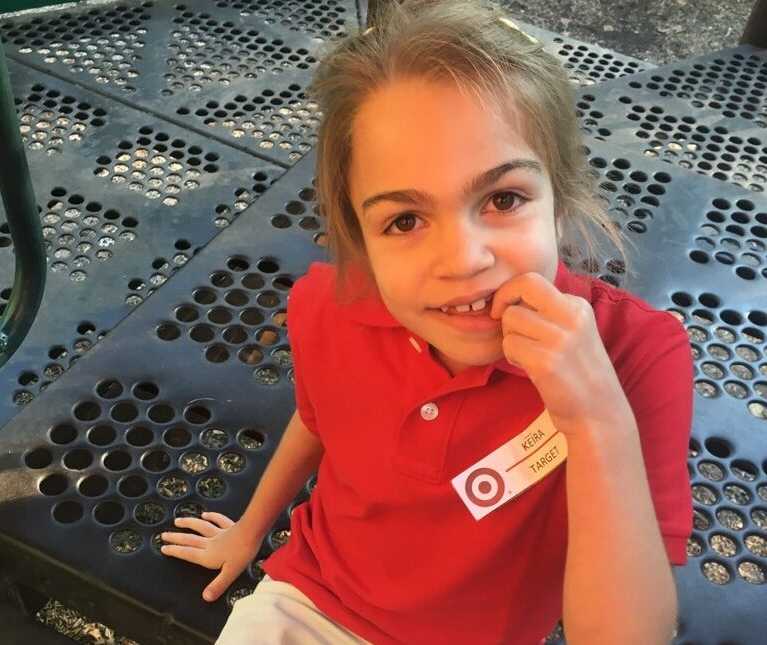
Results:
<point x="475" y="185"/>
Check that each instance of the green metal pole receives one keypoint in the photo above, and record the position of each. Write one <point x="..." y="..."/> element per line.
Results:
<point x="23" y="222"/>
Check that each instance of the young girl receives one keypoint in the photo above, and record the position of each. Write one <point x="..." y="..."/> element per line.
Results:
<point x="501" y="442"/>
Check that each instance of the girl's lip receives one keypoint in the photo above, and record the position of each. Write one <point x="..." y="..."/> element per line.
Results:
<point x="469" y="321"/>
<point x="484" y="295"/>
<point x="482" y="312"/>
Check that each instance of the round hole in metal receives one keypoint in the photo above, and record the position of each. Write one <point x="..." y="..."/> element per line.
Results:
<point x="54" y="484"/>
<point x="177" y="437"/>
<point x="132" y="486"/>
<point x="93" y="485"/>
<point x="101" y="435"/>
<point x="68" y="512"/>
<point x="109" y="512"/>
<point x="78" y="459"/>
<point x="139" y="436"/>
<point x="38" y="458"/>
<point x="117" y="460"/>
<point x="63" y="434"/>
<point x="156" y="461"/>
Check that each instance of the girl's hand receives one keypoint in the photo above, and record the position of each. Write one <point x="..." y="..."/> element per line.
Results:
<point x="553" y="336"/>
<point x="222" y="544"/>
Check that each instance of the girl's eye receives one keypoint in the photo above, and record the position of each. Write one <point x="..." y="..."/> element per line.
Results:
<point x="410" y="217"/>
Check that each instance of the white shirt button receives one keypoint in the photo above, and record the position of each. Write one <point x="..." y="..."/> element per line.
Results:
<point x="429" y="411"/>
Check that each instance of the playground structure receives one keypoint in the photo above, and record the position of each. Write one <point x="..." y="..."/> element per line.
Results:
<point x="170" y="150"/>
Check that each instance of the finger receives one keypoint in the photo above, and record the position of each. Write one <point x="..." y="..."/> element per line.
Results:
<point x="196" y="524"/>
<point x="220" y="583"/>
<point x="523" y="352"/>
<point x="523" y="322"/>
<point x="185" y="539"/>
<point x="217" y="518"/>
<point x="502" y="299"/>
<point x="530" y="290"/>
<point x="188" y="553"/>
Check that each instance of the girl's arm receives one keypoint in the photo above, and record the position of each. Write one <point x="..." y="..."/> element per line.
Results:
<point x="298" y="456"/>
<point x="618" y="583"/>
<point x="229" y="546"/>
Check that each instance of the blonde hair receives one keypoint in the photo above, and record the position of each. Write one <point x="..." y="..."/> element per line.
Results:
<point x="474" y="44"/>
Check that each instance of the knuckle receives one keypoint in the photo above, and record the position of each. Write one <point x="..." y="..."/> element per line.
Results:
<point x="581" y="312"/>
<point x="583" y="308"/>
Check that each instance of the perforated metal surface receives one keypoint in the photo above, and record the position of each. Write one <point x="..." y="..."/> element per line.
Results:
<point x="187" y="427"/>
<point x="721" y="301"/>
<point x="586" y="63"/>
<point x="180" y="406"/>
<point x="125" y="201"/>
<point x="708" y="115"/>
<point x="229" y="70"/>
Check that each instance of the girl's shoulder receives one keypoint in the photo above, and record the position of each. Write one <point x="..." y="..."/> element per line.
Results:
<point x="318" y="289"/>
<point x="319" y="273"/>
<point x="608" y="295"/>
<point x="312" y="309"/>
<point x="315" y="286"/>
<point x="635" y="333"/>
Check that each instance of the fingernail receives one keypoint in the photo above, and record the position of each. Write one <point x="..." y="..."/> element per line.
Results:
<point x="206" y="595"/>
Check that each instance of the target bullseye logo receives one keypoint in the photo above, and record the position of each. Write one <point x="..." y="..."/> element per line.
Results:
<point x="485" y="486"/>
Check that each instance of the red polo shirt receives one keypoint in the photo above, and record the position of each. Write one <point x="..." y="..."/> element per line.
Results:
<point x="384" y="546"/>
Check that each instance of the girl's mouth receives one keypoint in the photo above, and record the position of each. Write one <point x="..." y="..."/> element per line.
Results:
<point x="479" y="308"/>
<point x="473" y="317"/>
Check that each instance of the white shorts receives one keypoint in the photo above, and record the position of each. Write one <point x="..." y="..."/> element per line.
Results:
<point x="277" y="613"/>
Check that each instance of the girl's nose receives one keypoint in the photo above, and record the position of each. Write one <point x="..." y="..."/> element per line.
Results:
<point x="463" y="249"/>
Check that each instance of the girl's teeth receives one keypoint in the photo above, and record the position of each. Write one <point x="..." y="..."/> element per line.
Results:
<point x="462" y="309"/>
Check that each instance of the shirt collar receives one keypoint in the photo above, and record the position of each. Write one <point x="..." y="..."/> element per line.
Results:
<point x="371" y="311"/>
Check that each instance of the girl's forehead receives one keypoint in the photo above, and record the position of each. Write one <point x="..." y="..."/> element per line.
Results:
<point x="421" y="145"/>
<point x="423" y="149"/>
<point x="446" y="104"/>
<point x="414" y="140"/>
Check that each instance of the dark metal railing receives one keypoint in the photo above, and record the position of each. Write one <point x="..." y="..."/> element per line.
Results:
<point x="23" y="223"/>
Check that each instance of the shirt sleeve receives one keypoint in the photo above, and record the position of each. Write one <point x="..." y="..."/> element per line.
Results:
<point x="298" y="319"/>
<point x="661" y="397"/>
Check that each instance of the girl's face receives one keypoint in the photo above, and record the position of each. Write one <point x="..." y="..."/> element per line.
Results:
<point x="429" y="138"/>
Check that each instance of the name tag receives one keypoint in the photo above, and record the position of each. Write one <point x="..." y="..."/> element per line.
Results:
<point x="513" y="468"/>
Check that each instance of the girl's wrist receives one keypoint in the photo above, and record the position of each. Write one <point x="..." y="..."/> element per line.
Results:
<point x="253" y="537"/>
